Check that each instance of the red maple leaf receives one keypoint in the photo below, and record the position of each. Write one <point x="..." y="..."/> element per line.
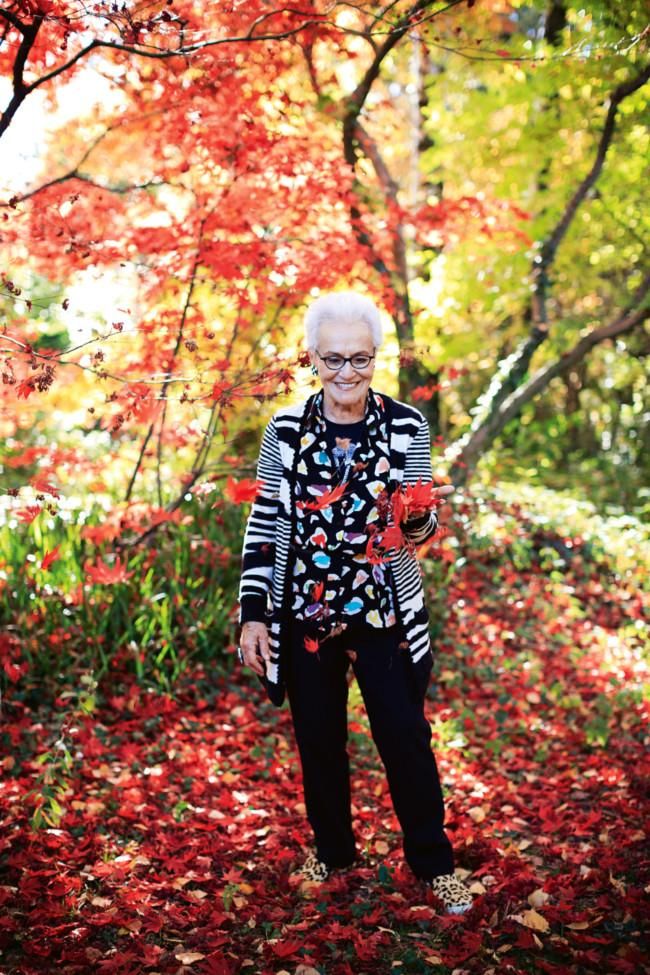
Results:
<point x="284" y="949"/>
<point x="106" y="574"/>
<point x="380" y="542"/>
<point x="415" y="499"/>
<point x="24" y="389"/>
<point x="29" y="513"/>
<point x="239" y="492"/>
<point x="41" y="485"/>
<point x="50" y="557"/>
<point x="392" y="537"/>
<point x="326" y="499"/>
<point x="311" y="644"/>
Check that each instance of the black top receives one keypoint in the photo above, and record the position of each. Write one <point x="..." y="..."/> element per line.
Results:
<point x="357" y="431"/>
<point x="332" y="579"/>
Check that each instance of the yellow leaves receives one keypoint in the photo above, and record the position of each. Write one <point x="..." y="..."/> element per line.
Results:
<point x="538" y="898"/>
<point x="300" y="970"/>
<point x="197" y="895"/>
<point x="92" y="807"/>
<point x="476" y="813"/>
<point x="521" y="845"/>
<point x="101" y="901"/>
<point x="309" y="888"/>
<point x="532" y="920"/>
<point x="188" y="957"/>
<point x="447" y="676"/>
<point x="179" y="882"/>
<point x="476" y="887"/>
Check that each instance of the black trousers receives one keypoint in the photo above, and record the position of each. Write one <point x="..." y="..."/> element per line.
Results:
<point x="393" y="692"/>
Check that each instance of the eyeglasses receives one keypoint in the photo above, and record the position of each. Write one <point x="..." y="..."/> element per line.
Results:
<point x="335" y="362"/>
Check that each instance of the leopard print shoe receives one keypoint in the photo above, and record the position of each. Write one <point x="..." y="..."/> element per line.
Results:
<point x="314" y="869"/>
<point x="451" y="890"/>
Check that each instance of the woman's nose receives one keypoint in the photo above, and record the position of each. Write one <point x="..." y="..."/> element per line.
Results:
<point x="346" y="371"/>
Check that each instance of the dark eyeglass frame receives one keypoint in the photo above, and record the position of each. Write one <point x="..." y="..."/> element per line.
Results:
<point x="346" y="358"/>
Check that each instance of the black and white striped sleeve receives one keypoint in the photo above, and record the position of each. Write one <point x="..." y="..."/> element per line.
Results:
<point x="258" y="553"/>
<point x="418" y="468"/>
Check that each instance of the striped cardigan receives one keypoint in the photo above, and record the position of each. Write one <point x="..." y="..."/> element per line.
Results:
<point x="271" y="524"/>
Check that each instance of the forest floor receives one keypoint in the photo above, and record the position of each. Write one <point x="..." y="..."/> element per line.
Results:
<point x="182" y="821"/>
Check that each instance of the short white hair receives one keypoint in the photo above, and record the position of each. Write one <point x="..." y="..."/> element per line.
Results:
<point x="344" y="307"/>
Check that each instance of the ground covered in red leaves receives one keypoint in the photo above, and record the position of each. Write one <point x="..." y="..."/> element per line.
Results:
<point x="183" y="817"/>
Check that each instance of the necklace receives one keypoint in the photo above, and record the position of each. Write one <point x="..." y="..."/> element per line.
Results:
<point x="343" y="454"/>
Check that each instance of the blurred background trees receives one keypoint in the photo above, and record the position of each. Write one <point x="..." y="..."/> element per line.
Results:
<point x="178" y="180"/>
<point x="200" y="173"/>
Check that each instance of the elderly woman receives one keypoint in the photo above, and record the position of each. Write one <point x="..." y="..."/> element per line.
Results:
<point x="315" y="599"/>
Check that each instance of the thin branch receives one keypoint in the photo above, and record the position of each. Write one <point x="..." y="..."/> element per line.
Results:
<point x="85" y="178"/>
<point x="381" y="16"/>
<point x="625" y="322"/>
<point x="547" y="253"/>
<point x="390" y="188"/>
<point x="29" y="37"/>
<point x="404" y="24"/>
<point x="465" y="450"/>
<point x="165" y="386"/>
<point x="514" y="369"/>
<point x="14" y="21"/>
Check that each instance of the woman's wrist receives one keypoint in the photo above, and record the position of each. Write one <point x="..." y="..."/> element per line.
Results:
<point x="252" y="609"/>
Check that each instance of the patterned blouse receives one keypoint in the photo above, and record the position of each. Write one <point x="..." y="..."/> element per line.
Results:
<point x="333" y="582"/>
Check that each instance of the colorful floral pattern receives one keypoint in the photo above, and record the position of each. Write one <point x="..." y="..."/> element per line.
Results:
<point x="333" y="582"/>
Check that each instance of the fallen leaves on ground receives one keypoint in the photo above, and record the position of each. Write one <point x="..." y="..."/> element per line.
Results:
<point x="184" y="816"/>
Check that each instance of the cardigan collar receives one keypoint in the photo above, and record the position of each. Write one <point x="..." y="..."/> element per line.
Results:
<point x="375" y="412"/>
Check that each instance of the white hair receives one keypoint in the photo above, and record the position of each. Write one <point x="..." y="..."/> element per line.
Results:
<point x="344" y="307"/>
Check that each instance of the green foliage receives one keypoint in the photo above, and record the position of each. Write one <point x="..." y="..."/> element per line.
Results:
<point x="52" y="784"/>
<point x="177" y="605"/>
<point x="522" y="132"/>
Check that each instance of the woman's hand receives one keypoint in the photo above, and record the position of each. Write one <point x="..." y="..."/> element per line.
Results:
<point x="253" y="642"/>
<point x="442" y="491"/>
<point x="415" y="502"/>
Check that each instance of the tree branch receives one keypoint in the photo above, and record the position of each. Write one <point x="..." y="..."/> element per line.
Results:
<point x="14" y="21"/>
<point x="515" y="367"/>
<point x="470" y="447"/>
<point x="550" y="246"/>
<point x="370" y="148"/>
<point x="410" y="19"/>
<point x="165" y="386"/>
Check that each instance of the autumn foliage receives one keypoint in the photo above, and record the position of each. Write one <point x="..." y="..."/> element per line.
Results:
<point x="182" y="821"/>
<point x="176" y="180"/>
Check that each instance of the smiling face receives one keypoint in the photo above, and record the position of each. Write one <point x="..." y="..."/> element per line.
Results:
<point x="345" y="390"/>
